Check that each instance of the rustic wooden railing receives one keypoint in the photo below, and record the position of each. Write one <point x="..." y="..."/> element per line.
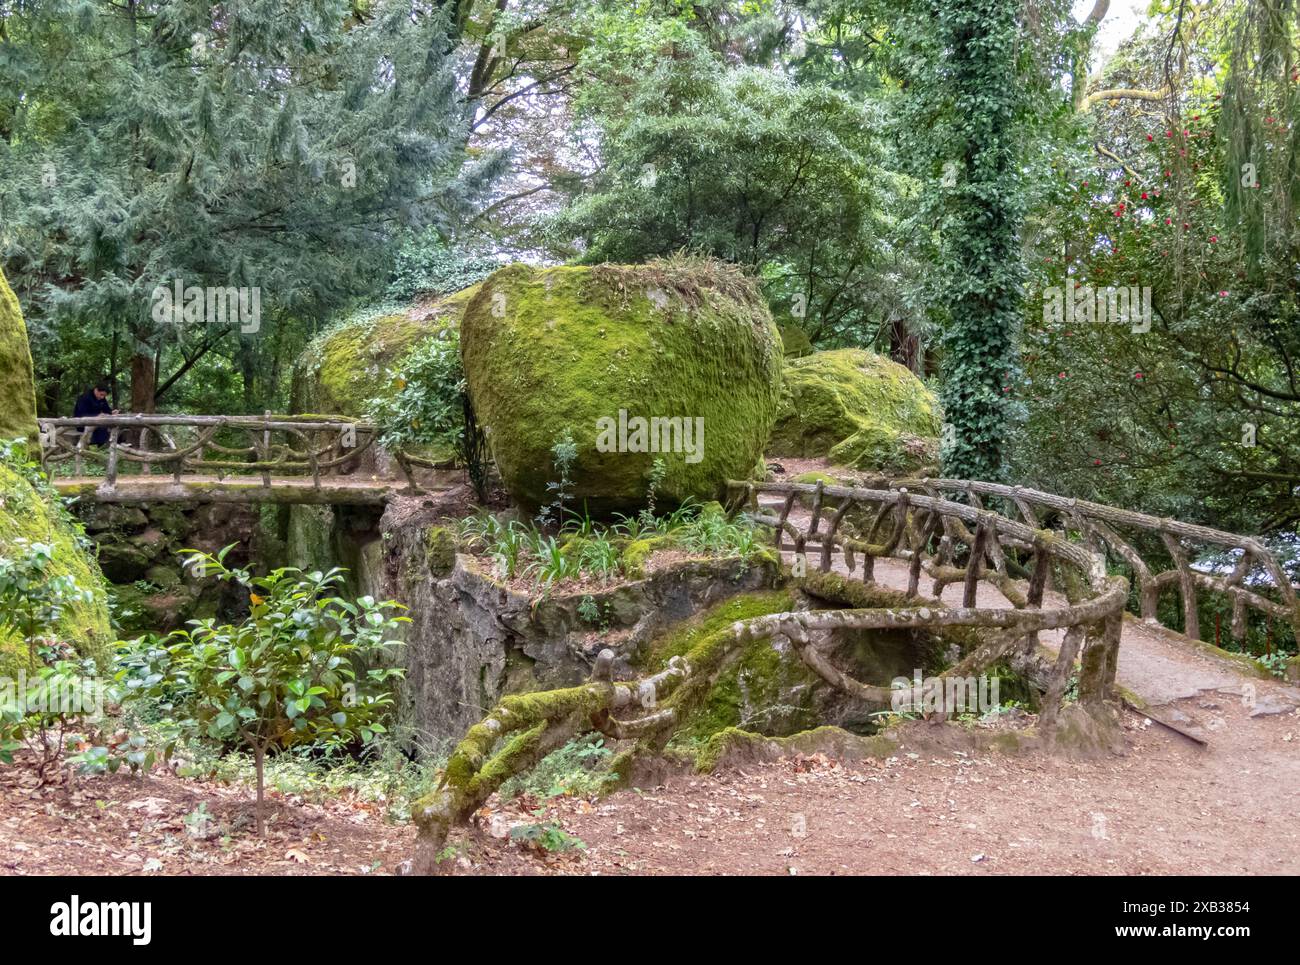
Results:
<point x="1256" y="580"/>
<point x="925" y="531"/>
<point x="222" y="457"/>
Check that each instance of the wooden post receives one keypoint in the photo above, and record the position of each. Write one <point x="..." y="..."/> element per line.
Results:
<point x="816" y="508"/>
<point x="265" y="455"/>
<point x="79" y="462"/>
<point x="1060" y="678"/>
<point x="785" y="514"/>
<point x="828" y="541"/>
<point x="110" y="471"/>
<point x="974" y="565"/>
<point x="1187" y="585"/>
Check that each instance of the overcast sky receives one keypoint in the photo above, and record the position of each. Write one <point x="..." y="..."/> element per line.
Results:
<point x="1121" y="20"/>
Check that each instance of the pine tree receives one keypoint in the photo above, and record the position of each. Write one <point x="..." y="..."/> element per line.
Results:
<point x="260" y="145"/>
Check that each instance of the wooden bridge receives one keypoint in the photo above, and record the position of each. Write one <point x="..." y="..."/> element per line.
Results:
<point x="231" y="459"/>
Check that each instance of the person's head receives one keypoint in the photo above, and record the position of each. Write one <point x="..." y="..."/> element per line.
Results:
<point x="101" y="390"/>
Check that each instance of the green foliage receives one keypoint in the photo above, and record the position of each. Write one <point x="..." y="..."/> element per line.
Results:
<point x="601" y="557"/>
<point x="32" y="597"/>
<point x="282" y="148"/>
<point x="1276" y="663"/>
<point x="551" y="563"/>
<point x="425" y="265"/>
<point x="547" y="836"/>
<point x="745" y="164"/>
<point x="564" y="454"/>
<point x="39" y="713"/>
<point x="383" y="772"/>
<point x="427" y="405"/>
<point x="969" y="114"/>
<point x="1196" y="418"/>
<point x="586" y="548"/>
<point x="290" y="674"/>
<point x="574" y="770"/>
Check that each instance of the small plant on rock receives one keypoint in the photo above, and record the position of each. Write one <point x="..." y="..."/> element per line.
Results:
<point x="32" y="597"/>
<point x="565" y="454"/>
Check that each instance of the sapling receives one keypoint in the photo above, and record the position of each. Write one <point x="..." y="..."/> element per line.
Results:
<point x="289" y="674"/>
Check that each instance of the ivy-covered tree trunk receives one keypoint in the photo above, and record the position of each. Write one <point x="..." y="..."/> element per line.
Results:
<point x="981" y="233"/>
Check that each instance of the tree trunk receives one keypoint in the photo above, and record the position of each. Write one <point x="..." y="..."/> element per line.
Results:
<point x="904" y="347"/>
<point x="144" y="382"/>
<point x="259" y="759"/>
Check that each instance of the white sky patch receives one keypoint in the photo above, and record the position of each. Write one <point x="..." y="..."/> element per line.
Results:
<point x="1117" y="26"/>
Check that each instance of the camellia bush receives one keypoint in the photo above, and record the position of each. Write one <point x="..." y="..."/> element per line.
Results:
<point x="290" y="674"/>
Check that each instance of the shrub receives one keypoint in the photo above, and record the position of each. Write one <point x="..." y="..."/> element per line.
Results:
<point x="287" y="675"/>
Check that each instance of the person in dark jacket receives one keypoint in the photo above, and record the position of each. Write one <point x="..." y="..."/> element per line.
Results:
<point x="95" y="403"/>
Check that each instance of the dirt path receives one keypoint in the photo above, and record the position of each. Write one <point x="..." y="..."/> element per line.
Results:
<point x="1166" y="807"/>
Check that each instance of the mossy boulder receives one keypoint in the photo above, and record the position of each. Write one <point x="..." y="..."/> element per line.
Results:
<point x="585" y="353"/>
<point x="795" y="342"/>
<point x="858" y="409"/>
<point x="27" y="514"/>
<point x="349" y="364"/>
<point x="17" y="384"/>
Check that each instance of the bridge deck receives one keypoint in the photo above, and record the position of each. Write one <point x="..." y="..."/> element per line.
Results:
<point x="334" y="490"/>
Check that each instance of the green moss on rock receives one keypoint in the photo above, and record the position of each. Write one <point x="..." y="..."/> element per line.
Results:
<point x="550" y="352"/>
<point x="25" y="514"/>
<point x="349" y="364"/>
<point x="440" y="550"/>
<point x="859" y="409"/>
<point x="17" y="384"/>
<point x="795" y="342"/>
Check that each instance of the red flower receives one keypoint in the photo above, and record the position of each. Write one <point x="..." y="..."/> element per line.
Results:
<point x="1060" y="375"/>
<point x="1150" y="138"/>
<point x="1144" y="195"/>
<point x="1213" y="238"/>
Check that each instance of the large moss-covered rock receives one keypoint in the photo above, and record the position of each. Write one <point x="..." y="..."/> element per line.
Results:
<point x="578" y="352"/>
<point x="348" y="364"/>
<point x="860" y="410"/>
<point x="26" y="514"/>
<point x="17" y="385"/>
